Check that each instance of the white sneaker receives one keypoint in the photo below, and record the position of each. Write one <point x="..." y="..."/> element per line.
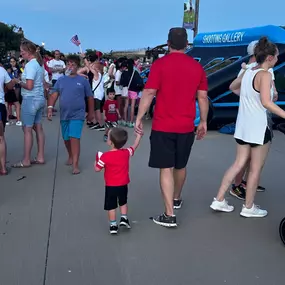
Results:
<point x="254" y="212"/>
<point x="19" y="124"/>
<point x="222" y="206"/>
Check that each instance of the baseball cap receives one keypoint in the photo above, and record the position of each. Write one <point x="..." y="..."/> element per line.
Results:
<point x="251" y="47"/>
<point x="177" y="38"/>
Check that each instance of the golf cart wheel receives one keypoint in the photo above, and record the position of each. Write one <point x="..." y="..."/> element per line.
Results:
<point x="282" y="230"/>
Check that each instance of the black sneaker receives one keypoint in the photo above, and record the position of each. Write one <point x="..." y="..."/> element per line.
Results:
<point x="259" y="187"/>
<point x="177" y="204"/>
<point x="99" y="128"/>
<point x="113" y="230"/>
<point x="93" y="126"/>
<point x="125" y="223"/>
<point x="89" y="124"/>
<point x="114" y="124"/>
<point x="165" y="221"/>
<point x="108" y="125"/>
<point x="238" y="192"/>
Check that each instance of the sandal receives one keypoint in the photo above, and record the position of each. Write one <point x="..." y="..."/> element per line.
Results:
<point x="20" y="165"/>
<point x="75" y="172"/>
<point x="5" y="173"/>
<point x="35" y="161"/>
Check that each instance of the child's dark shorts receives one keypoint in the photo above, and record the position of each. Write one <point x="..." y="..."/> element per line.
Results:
<point x="114" y="196"/>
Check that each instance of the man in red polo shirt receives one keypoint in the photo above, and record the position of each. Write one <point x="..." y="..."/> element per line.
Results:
<point x="175" y="79"/>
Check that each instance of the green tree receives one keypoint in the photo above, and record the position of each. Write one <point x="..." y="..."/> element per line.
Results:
<point x="9" y="38"/>
<point x="90" y="51"/>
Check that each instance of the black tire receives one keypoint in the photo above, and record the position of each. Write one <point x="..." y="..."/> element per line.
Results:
<point x="281" y="128"/>
<point x="212" y="125"/>
<point x="210" y="114"/>
<point x="282" y="230"/>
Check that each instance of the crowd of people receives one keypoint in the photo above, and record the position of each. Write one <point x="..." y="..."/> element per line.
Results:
<point x="106" y="99"/>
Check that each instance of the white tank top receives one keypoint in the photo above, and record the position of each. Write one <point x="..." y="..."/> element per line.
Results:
<point x="99" y="92"/>
<point x="252" y="120"/>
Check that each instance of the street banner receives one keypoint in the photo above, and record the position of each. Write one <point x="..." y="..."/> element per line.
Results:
<point x="189" y="15"/>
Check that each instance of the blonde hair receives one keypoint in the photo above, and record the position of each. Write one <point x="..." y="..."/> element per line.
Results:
<point x="32" y="49"/>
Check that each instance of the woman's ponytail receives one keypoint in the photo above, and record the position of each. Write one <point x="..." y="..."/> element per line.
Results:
<point x="39" y="58"/>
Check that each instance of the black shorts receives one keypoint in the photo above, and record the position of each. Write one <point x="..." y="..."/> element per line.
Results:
<point x="99" y="104"/>
<point x="267" y="139"/>
<point x="115" y="195"/>
<point x="3" y="115"/>
<point x="118" y="96"/>
<point x="11" y="97"/>
<point x="169" y="150"/>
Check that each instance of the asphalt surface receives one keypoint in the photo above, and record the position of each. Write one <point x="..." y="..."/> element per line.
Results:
<point x="54" y="231"/>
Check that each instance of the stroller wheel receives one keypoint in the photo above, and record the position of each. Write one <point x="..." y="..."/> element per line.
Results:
<point x="282" y="230"/>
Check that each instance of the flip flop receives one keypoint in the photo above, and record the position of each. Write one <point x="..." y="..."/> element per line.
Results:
<point x="75" y="172"/>
<point x="20" y="165"/>
<point x="5" y="173"/>
<point x="35" y="161"/>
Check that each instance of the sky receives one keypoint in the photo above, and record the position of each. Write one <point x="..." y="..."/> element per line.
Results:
<point x="128" y="24"/>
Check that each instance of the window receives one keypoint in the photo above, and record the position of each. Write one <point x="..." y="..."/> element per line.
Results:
<point x="224" y="64"/>
<point x="197" y="59"/>
<point x="213" y="62"/>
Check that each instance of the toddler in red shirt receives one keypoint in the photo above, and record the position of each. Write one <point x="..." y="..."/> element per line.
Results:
<point x="111" y="112"/>
<point x="116" y="164"/>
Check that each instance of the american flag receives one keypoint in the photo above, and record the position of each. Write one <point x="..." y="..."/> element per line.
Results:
<point x="75" y="40"/>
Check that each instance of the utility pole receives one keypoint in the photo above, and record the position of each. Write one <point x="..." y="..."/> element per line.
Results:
<point x="196" y="23"/>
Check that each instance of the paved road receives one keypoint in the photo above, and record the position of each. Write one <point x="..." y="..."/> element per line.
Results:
<point x="53" y="230"/>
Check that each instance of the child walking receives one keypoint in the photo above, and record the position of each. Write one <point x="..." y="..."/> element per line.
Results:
<point x="111" y="112"/>
<point x="116" y="163"/>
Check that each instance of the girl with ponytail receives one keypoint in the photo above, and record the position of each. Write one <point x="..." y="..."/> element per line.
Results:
<point x="32" y="89"/>
<point x="253" y="132"/>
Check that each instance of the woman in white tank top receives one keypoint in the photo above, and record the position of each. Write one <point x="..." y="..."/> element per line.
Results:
<point x="98" y="87"/>
<point x="253" y="135"/>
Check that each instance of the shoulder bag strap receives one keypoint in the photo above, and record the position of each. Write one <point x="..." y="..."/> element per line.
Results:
<point x="98" y="83"/>
<point x="131" y="79"/>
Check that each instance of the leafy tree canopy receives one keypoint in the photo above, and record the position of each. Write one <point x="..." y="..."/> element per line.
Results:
<point x="10" y="37"/>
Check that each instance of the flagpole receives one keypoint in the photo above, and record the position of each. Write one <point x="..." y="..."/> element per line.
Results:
<point x="80" y="48"/>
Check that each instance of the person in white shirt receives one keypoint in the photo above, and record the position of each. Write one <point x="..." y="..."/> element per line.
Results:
<point x="239" y="187"/>
<point x="99" y="98"/>
<point x="57" y="67"/>
<point x="112" y="73"/>
<point x="253" y="134"/>
<point x="6" y="81"/>
<point x="117" y="86"/>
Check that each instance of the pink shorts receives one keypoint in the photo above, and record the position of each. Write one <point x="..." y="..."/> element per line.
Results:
<point x="133" y="95"/>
